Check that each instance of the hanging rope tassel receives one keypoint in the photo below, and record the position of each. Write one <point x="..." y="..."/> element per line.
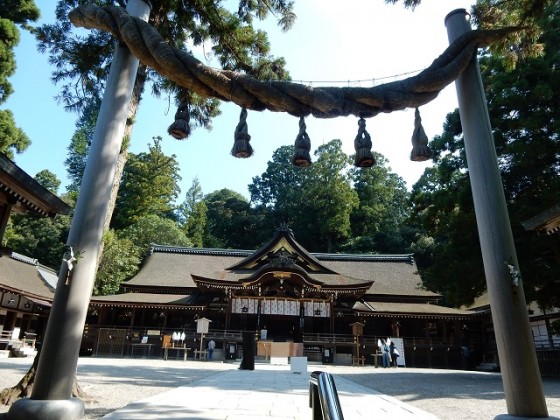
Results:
<point x="301" y="157"/>
<point x="420" y="150"/>
<point x="362" y="144"/>
<point x="180" y="128"/>
<point x="241" y="147"/>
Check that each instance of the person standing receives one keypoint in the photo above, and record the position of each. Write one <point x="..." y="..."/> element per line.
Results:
<point x="384" y="353"/>
<point x="211" y="347"/>
<point x="393" y="353"/>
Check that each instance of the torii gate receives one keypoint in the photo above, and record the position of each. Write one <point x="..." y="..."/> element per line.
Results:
<point x="51" y="395"/>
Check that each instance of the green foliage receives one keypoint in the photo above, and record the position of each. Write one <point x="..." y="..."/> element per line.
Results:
<point x="20" y="12"/>
<point x="315" y="201"/>
<point x="149" y="185"/>
<point x="193" y="196"/>
<point x="120" y="261"/>
<point x="329" y="197"/>
<point x="524" y="115"/>
<point x="279" y="187"/>
<point x="195" y="226"/>
<point x="232" y="223"/>
<point x="233" y="40"/>
<point x="43" y="238"/>
<point x="446" y="247"/>
<point x="383" y="207"/>
<point x="193" y="214"/>
<point x="12" y="12"/>
<point x="48" y="180"/>
<point x="124" y="250"/>
<point x="9" y="38"/>
<point x="12" y="138"/>
<point x="152" y="229"/>
<point x="76" y="159"/>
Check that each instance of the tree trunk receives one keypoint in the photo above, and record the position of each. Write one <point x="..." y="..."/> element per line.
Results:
<point x="23" y="389"/>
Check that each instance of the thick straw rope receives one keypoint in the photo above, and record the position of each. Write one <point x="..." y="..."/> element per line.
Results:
<point x="279" y="96"/>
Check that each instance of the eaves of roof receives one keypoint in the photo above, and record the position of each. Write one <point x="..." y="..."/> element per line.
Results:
<point x="28" y="194"/>
<point x="410" y="310"/>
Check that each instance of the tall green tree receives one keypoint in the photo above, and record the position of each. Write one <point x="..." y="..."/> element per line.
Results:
<point x="523" y="112"/>
<point x="43" y="238"/>
<point x="379" y="220"/>
<point x="315" y="201"/>
<point x="120" y="261"/>
<point x="193" y="213"/>
<point x="12" y="138"/>
<point x="78" y="149"/>
<point x="153" y="229"/>
<point x="329" y="198"/>
<point x="84" y="61"/>
<point x="149" y="186"/>
<point x="124" y="250"/>
<point x="279" y="189"/>
<point x="12" y="13"/>
<point x="232" y="223"/>
<point x="49" y="180"/>
<point x="448" y="250"/>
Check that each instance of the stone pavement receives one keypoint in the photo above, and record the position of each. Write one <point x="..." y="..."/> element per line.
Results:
<point x="268" y="392"/>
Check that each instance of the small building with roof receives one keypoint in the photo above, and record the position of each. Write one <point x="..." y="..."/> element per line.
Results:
<point x="26" y="287"/>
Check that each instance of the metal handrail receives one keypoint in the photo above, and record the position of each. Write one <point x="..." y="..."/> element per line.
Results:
<point x="323" y="398"/>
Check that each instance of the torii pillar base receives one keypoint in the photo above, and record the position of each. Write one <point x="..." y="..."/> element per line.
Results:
<point x="27" y="408"/>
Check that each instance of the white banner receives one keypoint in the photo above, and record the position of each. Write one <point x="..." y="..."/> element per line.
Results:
<point x="280" y="307"/>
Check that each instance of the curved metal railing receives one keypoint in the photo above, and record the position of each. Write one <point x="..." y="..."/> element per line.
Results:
<point x="323" y="398"/>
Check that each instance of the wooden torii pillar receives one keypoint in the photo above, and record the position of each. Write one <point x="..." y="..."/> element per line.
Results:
<point x="518" y="361"/>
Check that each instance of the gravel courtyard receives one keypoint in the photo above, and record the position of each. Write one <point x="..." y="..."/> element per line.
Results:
<point x="459" y="395"/>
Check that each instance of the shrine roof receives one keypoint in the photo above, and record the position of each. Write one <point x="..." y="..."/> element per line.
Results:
<point x="172" y="267"/>
<point x="25" y="194"/>
<point x="410" y="310"/>
<point x="24" y="275"/>
<point x="152" y="300"/>
<point x="546" y="222"/>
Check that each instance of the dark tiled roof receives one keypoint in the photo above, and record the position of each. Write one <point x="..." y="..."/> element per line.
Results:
<point x="29" y="195"/>
<point x="392" y="274"/>
<point x="407" y="310"/>
<point x="545" y="223"/>
<point x="151" y="300"/>
<point x="24" y="275"/>
<point x="481" y="303"/>
<point x="171" y="267"/>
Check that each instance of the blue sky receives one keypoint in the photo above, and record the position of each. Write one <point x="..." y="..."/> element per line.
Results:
<point x="358" y="44"/>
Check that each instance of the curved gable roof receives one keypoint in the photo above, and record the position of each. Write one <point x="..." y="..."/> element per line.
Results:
<point x="282" y="245"/>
